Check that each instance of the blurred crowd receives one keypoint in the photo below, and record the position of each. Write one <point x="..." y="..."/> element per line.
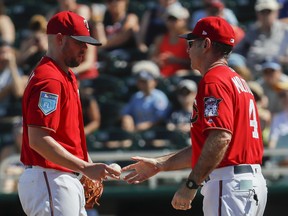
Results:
<point x="138" y="88"/>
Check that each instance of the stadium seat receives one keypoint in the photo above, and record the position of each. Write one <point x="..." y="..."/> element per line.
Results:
<point x="281" y="144"/>
<point x="110" y="113"/>
<point x="108" y="87"/>
<point x="161" y="138"/>
<point x="22" y="11"/>
<point x="111" y="140"/>
<point x="6" y="128"/>
<point x="238" y="6"/>
<point x="116" y="62"/>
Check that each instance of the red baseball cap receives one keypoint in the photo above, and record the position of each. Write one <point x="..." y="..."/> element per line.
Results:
<point x="73" y="25"/>
<point x="215" y="28"/>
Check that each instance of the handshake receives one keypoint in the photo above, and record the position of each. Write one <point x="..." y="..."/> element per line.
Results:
<point x="140" y="171"/>
<point x="93" y="189"/>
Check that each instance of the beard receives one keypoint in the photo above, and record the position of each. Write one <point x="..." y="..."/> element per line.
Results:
<point x="72" y="62"/>
<point x="72" y="59"/>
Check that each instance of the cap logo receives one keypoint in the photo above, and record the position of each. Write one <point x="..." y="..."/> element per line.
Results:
<point x="86" y="24"/>
<point x="204" y="32"/>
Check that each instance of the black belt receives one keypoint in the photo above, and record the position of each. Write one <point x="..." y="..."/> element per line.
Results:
<point x="240" y="169"/>
<point x="243" y="169"/>
<point x="76" y="173"/>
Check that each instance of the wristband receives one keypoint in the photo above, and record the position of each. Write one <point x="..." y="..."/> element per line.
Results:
<point x="191" y="184"/>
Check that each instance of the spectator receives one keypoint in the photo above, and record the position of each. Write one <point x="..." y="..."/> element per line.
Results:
<point x="119" y="27"/>
<point x="12" y="81"/>
<point x="7" y="28"/>
<point x="283" y="13"/>
<point x="153" y="22"/>
<point x="272" y="74"/>
<point x="34" y="46"/>
<point x="279" y="127"/>
<point x="91" y="111"/>
<point x="239" y="64"/>
<point x="263" y="111"/>
<point x="169" y="51"/>
<point x="180" y="118"/>
<point x="71" y="5"/>
<point x="212" y="7"/>
<point x="264" y="37"/>
<point x="217" y="8"/>
<point x="12" y="167"/>
<point x="14" y="145"/>
<point x="149" y="106"/>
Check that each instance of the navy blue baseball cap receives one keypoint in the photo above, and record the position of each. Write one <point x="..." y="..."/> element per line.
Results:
<point x="271" y="65"/>
<point x="145" y="75"/>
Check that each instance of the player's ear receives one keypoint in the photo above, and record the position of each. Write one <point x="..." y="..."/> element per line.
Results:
<point x="59" y="38"/>
<point x="207" y="43"/>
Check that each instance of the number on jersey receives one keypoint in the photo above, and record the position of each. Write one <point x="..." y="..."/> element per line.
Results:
<point x="253" y="119"/>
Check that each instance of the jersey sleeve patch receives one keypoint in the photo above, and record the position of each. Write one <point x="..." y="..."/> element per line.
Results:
<point x="47" y="102"/>
<point x="211" y="106"/>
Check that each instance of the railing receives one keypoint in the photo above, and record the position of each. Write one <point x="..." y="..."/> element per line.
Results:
<point x="268" y="171"/>
<point x="176" y="176"/>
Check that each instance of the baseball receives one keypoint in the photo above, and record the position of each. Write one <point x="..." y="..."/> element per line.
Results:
<point x="116" y="166"/>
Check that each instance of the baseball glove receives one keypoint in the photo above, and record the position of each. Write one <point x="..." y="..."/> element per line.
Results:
<point x="93" y="190"/>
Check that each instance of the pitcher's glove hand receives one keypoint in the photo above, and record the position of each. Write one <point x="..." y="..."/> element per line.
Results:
<point x="93" y="190"/>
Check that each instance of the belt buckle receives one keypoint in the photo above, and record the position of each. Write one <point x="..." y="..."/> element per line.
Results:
<point x="243" y="169"/>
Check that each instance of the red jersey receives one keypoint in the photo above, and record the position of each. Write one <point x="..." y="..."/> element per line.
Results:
<point x="51" y="101"/>
<point x="89" y="74"/>
<point x="179" y="50"/>
<point x="92" y="72"/>
<point x="225" y="102"/>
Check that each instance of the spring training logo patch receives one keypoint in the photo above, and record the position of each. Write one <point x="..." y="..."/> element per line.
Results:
<point x="211" y="106"/>
<point x="47" y="102"/>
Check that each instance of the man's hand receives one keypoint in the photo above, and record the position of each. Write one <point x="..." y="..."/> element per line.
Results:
<point x="142" y="170"/>
<point x="183" y="198"/>
<point x="100" y="171"/>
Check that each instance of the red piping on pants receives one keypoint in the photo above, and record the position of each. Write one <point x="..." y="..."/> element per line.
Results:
<point x="49" y="193"/>
<point x="220" y="198"/>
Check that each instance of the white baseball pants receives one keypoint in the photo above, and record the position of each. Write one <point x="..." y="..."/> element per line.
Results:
<point x="230" y="192"/>
<point x="48" y="192"/>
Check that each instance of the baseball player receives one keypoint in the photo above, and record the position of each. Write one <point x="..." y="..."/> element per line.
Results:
<point x="227" y="147"/>
<point x="54" y="148"/>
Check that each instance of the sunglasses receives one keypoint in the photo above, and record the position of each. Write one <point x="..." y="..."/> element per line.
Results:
<point x="265" y="12"/>
<point x="172" y="18"/>
<point x="184" y="91"/>
<point x="110" y="1"/>
<point x="190" y="42"/>
<point x="283" y="94"/>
